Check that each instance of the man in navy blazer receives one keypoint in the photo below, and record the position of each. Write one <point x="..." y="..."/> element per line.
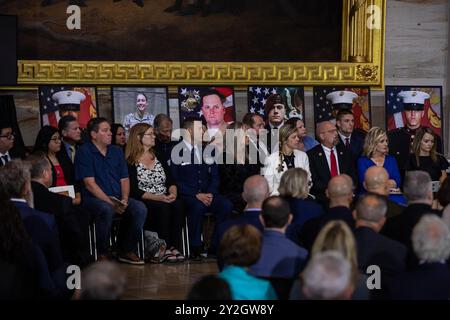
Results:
<point x="431" y="278"/>
<point x="256" y="190"/>
<point x="374" y="248"/>
<point x="41" y="226"/>
<point x="280" y="257"/>
<point x="349" y="138"/>
<point x="197" y="179"/>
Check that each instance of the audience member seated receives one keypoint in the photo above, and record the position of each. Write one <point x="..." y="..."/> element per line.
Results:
<point x="257" y="144"/>
<point x="349" y="137"/>
<point x="375" y="153"/>
<point x="163" y="130"/>
<point x="103" y="170"/>
<point x="152" y="183"/>
<point x="430" y="280"/>
<point x="374" y="248"/>
<point x="328" y="160"/>
<point x="103" y="280"/>
<point x="285" y="158"/>
<point x="336" y="235"/>
<point x="235" y="167"/>
<point x="24" y="271"/>
<point x="15" y="181"/>
<point x="294" y="187"/>
<point x="7" y="139"/>
<point x="239" y="249"/>
<point x="210" y="287"/>
<point x="306" y="142"/>
<point x="255" y="192"/>
<point x="340" y="195"/>
<point x="48" y="141"/>
<point x="118" y="136"/>
<point x="419" y="203"/>
<point x="72" y="222"/>
<point x="197" y="179"/>
<point x="328" y="276"/>
<point x="280" y="257"/>
<point x="425" y="157"/>
<point x="376" y="181"/>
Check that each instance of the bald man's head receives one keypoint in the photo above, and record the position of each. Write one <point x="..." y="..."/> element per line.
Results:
<point x="256" y="190"/>
<point x="327" y="133"/>
<point x="340" y="189"/>
<point x="375" y="180"/>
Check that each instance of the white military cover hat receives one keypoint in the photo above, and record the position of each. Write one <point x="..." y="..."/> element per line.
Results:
<point x="413" y="100"/>
<point x="68" y="99"/>
<point x="341" y="97"/>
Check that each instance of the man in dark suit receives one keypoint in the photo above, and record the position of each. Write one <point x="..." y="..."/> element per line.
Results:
<point x="254" y="125"/>
<point x="72" y="224"/>
<point x="7" y="139"/>
<point x="351" y="139"/>
<point x="340" y="195"/>
<point x="328" y="159"/>
<point x="280" y="257"/>
<point x="255" y="192"/>
<point x="41" y="226"/>
<point x="197" y="179"/>
<point x="376" y="181"/>
<point x="431" y="278"/>
<point x="418" y="192"/>
<point x="373" y="248"/>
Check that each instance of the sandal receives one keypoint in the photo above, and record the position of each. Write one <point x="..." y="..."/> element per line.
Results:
<point x="168" y="257"/>
<point x="178" y="255"/>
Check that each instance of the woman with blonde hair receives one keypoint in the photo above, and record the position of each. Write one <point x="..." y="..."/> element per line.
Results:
<point x="375" y="153"/>
<point x="424" y="156"/>
<point x="152" y="183"/>
<point x="294" y="186"/>
<point x="337" y="236"/>
<point x="288" y="156"/>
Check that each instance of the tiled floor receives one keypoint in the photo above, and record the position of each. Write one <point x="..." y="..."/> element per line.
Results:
<point x="165" y="281"/>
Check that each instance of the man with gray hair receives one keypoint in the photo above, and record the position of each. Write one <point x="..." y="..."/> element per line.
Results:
<point x="15" y="183"/>
<point x="102" y="280"/>
<point x="374" y="248"/>
<point x="328" y="277"/>
<point x="431" y="279"/>
<point x="418" y="192"/>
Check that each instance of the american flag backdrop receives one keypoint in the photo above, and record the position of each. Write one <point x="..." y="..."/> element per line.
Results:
<point x="293" y="97"/>
<point x="361" y="107"/>
<point x="395" y="117"/>
<point x="189" y="102"/>
<point x="49" y="108"/>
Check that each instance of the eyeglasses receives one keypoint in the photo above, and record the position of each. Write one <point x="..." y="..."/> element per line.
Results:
<point x="9" y="136"/>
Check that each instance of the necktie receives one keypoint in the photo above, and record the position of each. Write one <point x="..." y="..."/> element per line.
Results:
<point x="72" y="153"/>
<point x="347" y="142"/>
<point x="333" y="164"/>
<point x="5" y="159"/>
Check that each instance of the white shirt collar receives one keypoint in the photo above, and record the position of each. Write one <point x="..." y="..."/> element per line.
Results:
<point x="19" y="200"/>
<point x="326" y="149"/>
<point x="5" y="154"/>
<point x="278" y="126"/>
<point x="344" y="137"/>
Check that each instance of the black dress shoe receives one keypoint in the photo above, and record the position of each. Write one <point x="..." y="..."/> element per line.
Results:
<point x="139" y="3"/>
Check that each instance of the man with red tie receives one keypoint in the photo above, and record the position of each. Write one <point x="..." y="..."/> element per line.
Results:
<point x="328" y="159"/>
<point x="352" y="139"/>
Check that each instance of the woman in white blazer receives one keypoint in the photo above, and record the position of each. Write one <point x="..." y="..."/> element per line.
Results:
<point x="288" y="156"/>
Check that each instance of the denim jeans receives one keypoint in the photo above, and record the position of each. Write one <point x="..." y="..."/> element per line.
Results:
<point x="132" y="222"/>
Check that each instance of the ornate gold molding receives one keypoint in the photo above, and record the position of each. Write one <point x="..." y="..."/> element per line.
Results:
<point x="362" y="63"/>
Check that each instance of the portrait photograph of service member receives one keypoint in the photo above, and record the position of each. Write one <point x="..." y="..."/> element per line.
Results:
<point x="407" y="110"/>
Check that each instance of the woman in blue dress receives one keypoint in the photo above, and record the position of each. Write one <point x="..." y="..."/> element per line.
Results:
<point x="375" y="153"/>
